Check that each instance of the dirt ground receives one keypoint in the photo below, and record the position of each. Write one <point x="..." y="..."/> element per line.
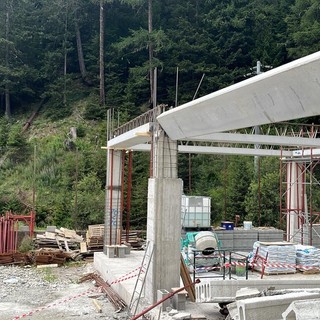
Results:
<point x="51" y="294"/>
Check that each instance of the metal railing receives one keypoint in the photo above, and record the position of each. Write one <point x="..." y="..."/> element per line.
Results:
<point x="220" y="266"/>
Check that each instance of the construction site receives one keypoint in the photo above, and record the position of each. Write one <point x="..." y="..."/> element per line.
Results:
<point x="185" y="268"/>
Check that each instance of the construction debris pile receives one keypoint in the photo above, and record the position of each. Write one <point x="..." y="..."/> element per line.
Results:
<point x="57" y="245"/>
<point x="63" y="239"/>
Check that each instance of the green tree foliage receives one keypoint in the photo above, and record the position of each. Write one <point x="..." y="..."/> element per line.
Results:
<point x="40" y="61"/>
<point x="267" y="213"/>
<point x="304" y="28"/>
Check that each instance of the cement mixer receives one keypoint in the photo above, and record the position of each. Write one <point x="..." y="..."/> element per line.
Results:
<point x="200" y="243"/>
<point x="206" y="242"/>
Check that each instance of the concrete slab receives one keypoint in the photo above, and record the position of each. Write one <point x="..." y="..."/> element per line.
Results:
<point x="284" y="93"/>
<point x="112" y="269"/>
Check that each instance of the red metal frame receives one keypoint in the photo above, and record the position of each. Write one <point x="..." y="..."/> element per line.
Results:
<point x="9" y="230"/>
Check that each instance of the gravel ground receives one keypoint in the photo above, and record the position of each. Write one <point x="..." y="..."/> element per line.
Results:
<point x="51" y="294"/>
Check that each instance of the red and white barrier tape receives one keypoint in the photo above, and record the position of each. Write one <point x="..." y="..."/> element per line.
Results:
<point x="125" y="277"/>
<point x="272" y="265"/>
<point x="121" y="279"/>
<point x="267" y="264"/>
<point x="30" y="313"/>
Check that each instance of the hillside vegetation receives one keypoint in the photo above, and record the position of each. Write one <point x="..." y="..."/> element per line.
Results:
<point x="51" y="57"/>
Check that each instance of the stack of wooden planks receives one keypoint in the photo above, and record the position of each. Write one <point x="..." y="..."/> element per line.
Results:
<point x="63" y="239"/>
<point x="52" y="256"/>
<point x="55" y="246"/>
<point x="13" y="258"/>
<point x="95" y="238"/>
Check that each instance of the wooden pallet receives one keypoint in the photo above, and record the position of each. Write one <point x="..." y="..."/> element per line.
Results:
<point x="96" y="230"/>
<point x="310" y="271"/>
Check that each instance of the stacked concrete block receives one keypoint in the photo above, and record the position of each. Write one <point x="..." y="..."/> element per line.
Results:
<point x="225" y="239"/>
<point x="160" y="295"/>
<point x="243" y="240"/>
<point x="270" y="235"/>
<point x="116" y="251"/>
<point x="111" y="251"/>
<point x="121" y="251"/>
<point x="179" y="299"/>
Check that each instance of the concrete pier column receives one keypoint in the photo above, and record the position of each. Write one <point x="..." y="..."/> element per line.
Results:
<point x="113" y="199"/>
<point x="164" y="218"/>
<point x="295" y="200"/>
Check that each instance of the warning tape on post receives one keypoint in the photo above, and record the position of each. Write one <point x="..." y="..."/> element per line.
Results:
<point x="125" y="277"/>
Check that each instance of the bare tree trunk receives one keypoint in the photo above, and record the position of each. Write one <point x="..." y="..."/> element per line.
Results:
<point x="65" y="57"/>
<point x="82" y="65"/>
<point x="7" y="100"/>
<point x="7" y="90"/>
<point x="65" y="79"/>
<point x="150" y="50"/>
<point x="102" y="84"/>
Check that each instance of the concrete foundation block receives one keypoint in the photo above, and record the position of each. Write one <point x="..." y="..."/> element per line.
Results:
<point x="111" y="252"/>
<point x="271" y="307"/>
<point x="127" y="248"/>
<point x="179" y="299"/>
<point x="160" y="295"/>
<point x="121" y="251"/>
<point x="303" y="310"/>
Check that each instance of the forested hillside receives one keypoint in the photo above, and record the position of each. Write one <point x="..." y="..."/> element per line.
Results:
<point x="68" y="62"/>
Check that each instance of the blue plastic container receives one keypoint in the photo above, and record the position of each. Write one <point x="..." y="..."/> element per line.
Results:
<point x="227" y="225"/>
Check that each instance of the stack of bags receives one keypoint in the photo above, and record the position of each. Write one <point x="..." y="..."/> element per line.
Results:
<point x="275" y="253"/>
<point x="308" y="257"/>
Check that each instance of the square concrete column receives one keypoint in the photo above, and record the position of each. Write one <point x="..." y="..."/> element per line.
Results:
<point x="112" y="232"/>
<point x="295" y="200"/>
<point x="163" y="232"/>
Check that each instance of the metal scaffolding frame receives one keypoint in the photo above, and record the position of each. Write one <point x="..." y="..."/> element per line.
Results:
<point x="300" y="186"/>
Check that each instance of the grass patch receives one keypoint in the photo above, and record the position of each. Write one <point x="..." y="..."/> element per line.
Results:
<point x="48" y="275"/>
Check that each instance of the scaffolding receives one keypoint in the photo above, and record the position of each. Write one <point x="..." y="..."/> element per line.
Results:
<point x="298" y="209"/>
